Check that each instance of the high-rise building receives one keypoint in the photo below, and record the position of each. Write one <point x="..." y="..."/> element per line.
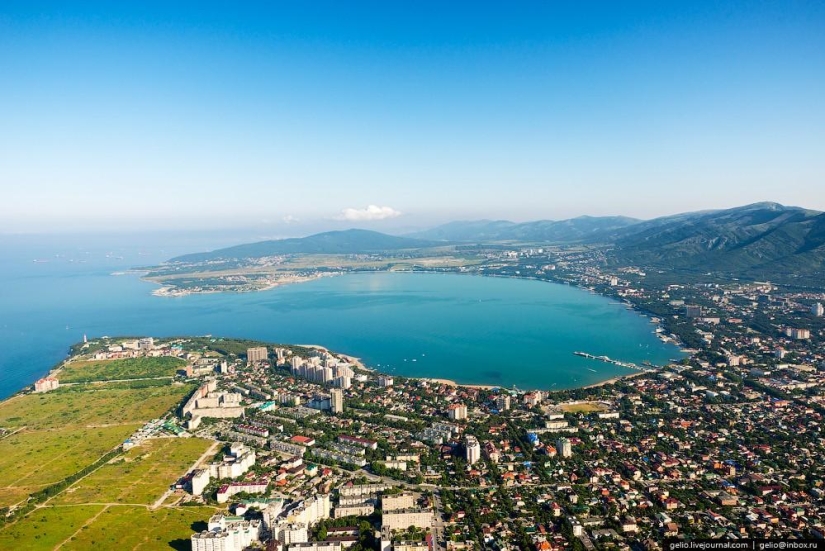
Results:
<point x="503" y="402"/>
<point x="200" y="479"/>
<point x="457" y="412"/>
<point x="473" y="449"/>
<point x="336" y="402"/>
<point x="257" y="354"/>
<point x="796" y="333"/>
<point x="385" y="381"/>
<point x="564" y="447"/>
<point x="818" y="310"/>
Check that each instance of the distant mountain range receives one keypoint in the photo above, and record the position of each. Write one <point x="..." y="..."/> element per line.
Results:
<point x="763" y="240"/>
<point x="583" y="228"/>
<point x="334" y="242"/>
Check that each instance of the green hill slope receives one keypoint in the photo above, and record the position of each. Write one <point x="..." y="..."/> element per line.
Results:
<point x="334" y="242"/>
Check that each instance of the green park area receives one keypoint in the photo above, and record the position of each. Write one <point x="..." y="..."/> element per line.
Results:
<point x="122" y="369"/>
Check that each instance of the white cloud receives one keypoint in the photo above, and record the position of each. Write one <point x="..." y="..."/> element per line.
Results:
<point x="372" y="212"/>
<point x="289" y="219"/>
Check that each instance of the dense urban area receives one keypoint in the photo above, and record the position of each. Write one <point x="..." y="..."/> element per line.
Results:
<point x="316" y="452"/>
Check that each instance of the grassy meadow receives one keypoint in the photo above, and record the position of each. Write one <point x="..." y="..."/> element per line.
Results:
<point x="111" y="370"/>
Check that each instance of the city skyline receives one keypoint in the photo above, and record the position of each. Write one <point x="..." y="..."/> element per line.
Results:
<point x="147" y="116"/>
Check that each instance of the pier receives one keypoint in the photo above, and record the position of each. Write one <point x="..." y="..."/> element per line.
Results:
<point x="605" y="359"/>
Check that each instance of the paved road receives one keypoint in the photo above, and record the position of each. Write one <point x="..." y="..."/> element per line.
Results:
<point x="438" y="522"/>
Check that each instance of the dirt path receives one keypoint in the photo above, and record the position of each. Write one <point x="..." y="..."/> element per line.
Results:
<point x="85" y="524"/>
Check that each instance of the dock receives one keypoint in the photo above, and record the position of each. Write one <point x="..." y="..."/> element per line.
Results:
<point x="606" y="359"/>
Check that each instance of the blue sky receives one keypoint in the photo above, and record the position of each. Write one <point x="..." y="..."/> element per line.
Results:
<point x="119" y="115"/>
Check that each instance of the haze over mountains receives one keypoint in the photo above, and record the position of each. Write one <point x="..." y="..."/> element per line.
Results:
<point x="582" y="228"/>
<point x="333" y="242"/>
<point x="762" y="240"/>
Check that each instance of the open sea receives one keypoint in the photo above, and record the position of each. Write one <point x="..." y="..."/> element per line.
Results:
<point x="474" y="330"/>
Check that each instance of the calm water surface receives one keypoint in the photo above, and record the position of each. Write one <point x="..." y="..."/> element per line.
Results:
<point x="470" y="329"/>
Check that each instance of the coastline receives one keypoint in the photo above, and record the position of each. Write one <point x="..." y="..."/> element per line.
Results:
<point x="450" y="382"/>
<point x="357" y="362"/>
<point x="167" y="290"/>
<point x="351" y="359"/>
<point x="617" y="379"/>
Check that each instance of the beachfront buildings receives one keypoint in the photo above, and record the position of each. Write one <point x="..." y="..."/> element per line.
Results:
<point x="502" y="402"/>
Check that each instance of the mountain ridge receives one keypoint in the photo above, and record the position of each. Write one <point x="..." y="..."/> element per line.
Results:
<point x="580" y="228"/>
<point x="352" y="241"/>
<point x="756" y="241"/>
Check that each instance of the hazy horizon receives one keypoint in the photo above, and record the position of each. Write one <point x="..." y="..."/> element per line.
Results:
<point x="291" y="119"/>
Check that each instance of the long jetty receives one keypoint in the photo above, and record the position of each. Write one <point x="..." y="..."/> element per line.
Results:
<point x="605" y="359"/>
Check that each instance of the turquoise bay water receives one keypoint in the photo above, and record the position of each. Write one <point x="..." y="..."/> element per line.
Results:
<point x="471" y="329"/>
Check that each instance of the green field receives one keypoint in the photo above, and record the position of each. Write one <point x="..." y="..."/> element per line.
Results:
<point x="54" y="436"/>
<point x="105" y="527"/>
<point x="32" y="460"/>
<point x="61" y="432"/>
<point x="140" y="476"/>
<point x="138" y="528"/>
<point x="110" y="508"/>
<point x="47" y="527"/>
<point x="110" y="370"/>
<point x="98" y="405"/>
<point x="583" y="407"/>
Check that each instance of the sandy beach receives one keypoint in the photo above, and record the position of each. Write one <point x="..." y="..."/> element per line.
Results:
<point x="617" y="379"/>
<point x="450" y="382"/>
